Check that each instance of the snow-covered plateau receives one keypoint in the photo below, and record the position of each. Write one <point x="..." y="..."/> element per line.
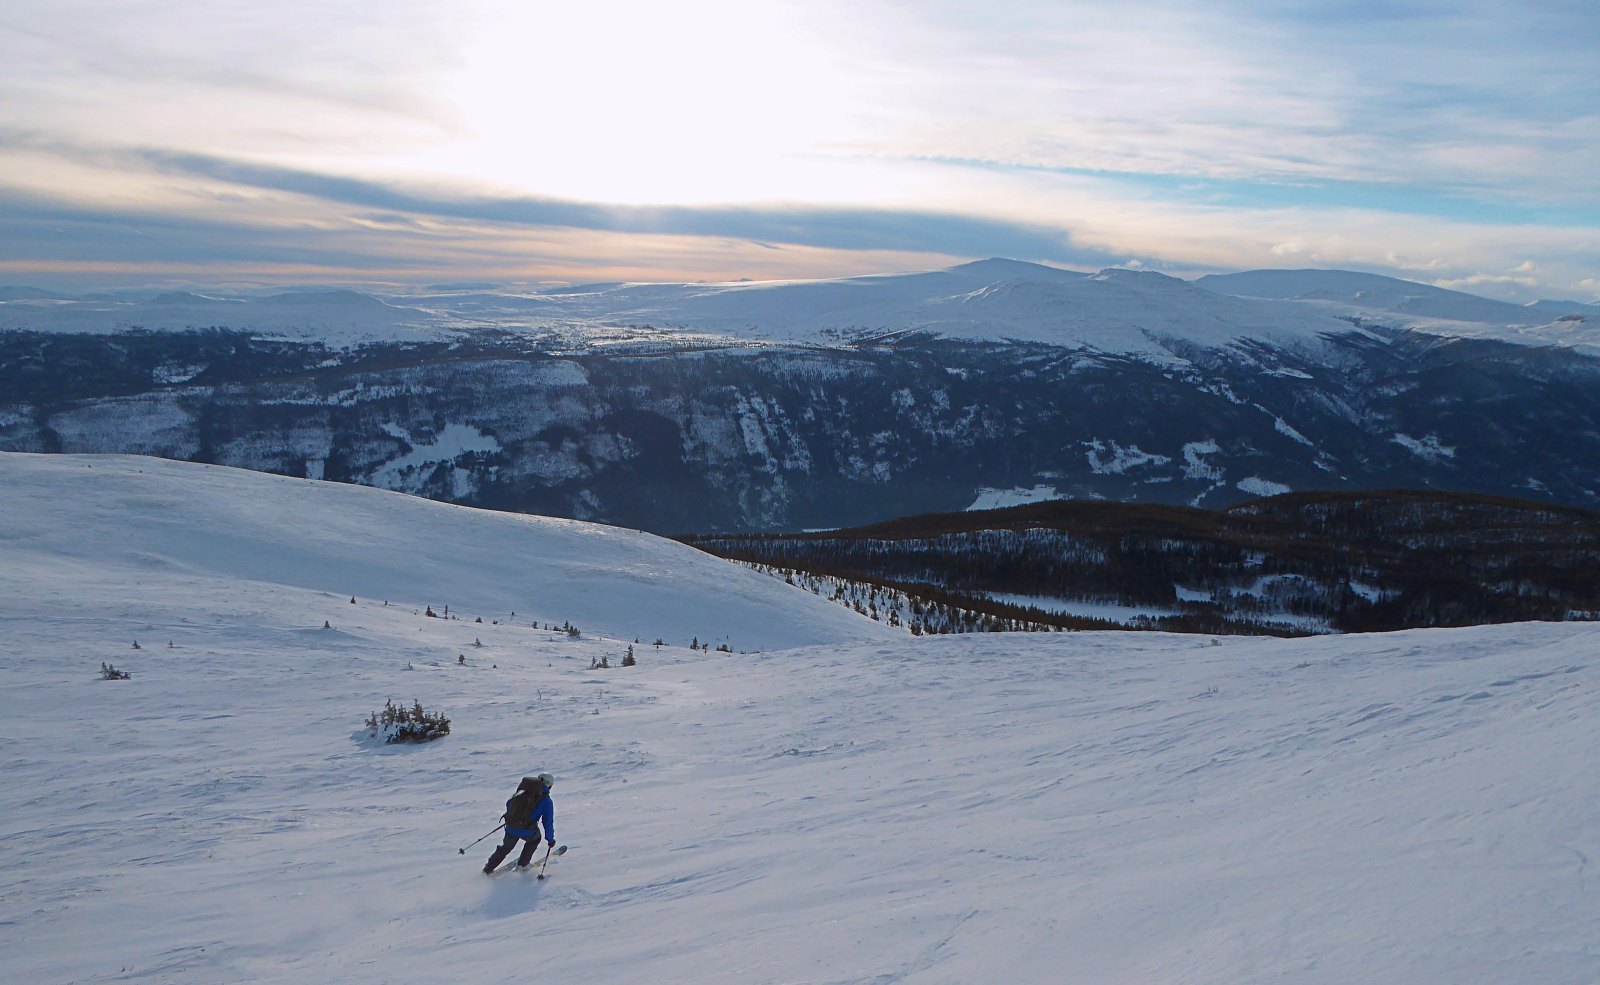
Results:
<point x="996" y="300"/>
<point x="846" y="805"/>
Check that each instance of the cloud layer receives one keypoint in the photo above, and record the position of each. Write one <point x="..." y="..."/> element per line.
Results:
<point x="412" y="141"/>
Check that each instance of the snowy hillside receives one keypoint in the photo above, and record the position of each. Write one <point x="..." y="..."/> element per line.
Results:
<point x="142" y="521"/>
<point x="1406" y="304"/>
<point x="341" y="318"/>
<point x="1079" y="807"/>
<point x="985" y="301"/>
<point x="1559" y="309"/>
<point x="1118" y="311"/>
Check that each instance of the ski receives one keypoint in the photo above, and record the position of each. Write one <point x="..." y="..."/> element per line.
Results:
<point x="554" y="853"/>
<point x="547" y="856"/>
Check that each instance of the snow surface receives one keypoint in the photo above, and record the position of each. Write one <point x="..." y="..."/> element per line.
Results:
<point x="1427" y="447"/>
<point x="1255" y="485"/>
<point x="1096" y="807"/>
<point x="1113" y="311"/>
<point x="1116" y="612"/>
<point x="1121" y="311"/>
<point x="1405" y="304"/>
<point x="1369" y="291"/>
<point x="452" y="442"/>
<point x="127" y="518"/>
<point x="342" y="317"/>
<point x="996" y="499"/>
<point x="1110" y="458"/>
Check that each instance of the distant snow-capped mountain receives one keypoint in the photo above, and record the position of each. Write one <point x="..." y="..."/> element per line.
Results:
<point x="339" y="318"/>
<point x="1564" y="309"/>
<point x="1115" y="311"/>
<point x="701" y="407"/>
<point x="1405" y="304"/>
<point x="1367" y="291"/>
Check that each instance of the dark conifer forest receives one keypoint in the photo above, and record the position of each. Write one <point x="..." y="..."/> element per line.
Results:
<point x="1290" y="564"/>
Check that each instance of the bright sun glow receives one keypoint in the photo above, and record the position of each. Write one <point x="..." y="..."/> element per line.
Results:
<point x="650" y="103"/>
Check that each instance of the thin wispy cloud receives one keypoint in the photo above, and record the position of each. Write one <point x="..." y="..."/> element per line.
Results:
<point x="1455" y="141"/>
<point x="865" y="229"/>
<point x="1262" y="91"/>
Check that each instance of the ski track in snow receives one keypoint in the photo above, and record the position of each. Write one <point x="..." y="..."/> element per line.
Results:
<point x="1094" y="807"/>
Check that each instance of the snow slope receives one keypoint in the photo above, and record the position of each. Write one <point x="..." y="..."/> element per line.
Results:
<point x="1120" y="311"/>
<point x="343" y="318"/>
<point x="129" y="518"/>
<point x="1558" y="309"/>
<point x="1406" y="304"/>
<point x="997" y="300"/>
<point x="1113" y="311"/>
<point x="1070" y="808"/>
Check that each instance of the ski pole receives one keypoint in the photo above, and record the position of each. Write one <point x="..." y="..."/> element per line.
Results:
<point x="546" y="860"/>
<point x="463" y="851"/>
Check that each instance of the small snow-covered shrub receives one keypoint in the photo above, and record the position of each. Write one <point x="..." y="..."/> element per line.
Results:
<point x="110" y="673"/>
<point x="397" y="723"/>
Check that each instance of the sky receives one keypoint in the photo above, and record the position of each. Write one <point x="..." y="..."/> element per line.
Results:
<point x="413" y="142"/>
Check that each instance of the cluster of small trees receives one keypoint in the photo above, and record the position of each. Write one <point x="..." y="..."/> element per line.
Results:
<point x="397" y="723"/>
<point x="919" y="613"/>
<point x="695" y="644"/>
<point x="572" y="631"/>
<point x="604" y="662"/>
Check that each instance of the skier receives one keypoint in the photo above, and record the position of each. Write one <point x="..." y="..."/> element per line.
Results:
<point x="526" y="808"/>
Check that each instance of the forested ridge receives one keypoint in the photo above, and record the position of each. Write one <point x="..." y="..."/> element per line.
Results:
<point x="1300" y="562"/>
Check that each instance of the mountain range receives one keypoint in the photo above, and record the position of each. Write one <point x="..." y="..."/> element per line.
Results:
<point x="769" y="406"/>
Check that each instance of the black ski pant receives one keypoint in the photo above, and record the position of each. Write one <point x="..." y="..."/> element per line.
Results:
<point x="531" y="844"/>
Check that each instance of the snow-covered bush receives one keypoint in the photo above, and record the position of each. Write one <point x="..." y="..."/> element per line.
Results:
<point x="397" y="723"/>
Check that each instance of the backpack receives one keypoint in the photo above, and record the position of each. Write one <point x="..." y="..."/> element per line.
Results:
<point x="520" y="808"/>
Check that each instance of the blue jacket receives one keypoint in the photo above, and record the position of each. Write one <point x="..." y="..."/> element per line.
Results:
<point x="546" y="812"/>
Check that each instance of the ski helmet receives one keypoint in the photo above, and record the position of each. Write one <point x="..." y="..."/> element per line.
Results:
<point x="548" y="780"/>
